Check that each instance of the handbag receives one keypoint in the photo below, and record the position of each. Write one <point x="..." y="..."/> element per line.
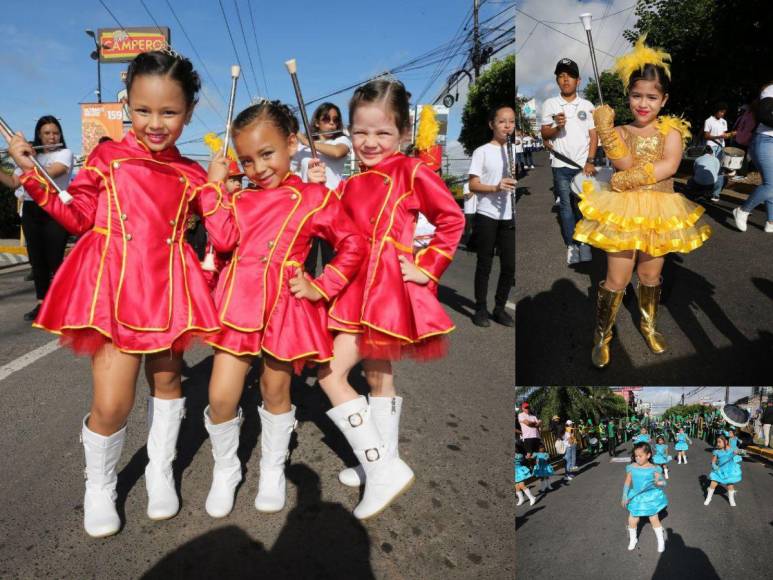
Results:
<point x="560" y="447"/>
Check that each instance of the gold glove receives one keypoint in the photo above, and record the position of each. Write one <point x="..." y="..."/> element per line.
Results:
<point x="632" y="178"/>
<point x="614" y="146"/>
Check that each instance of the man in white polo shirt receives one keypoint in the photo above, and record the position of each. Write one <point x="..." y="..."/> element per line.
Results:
<point x="715" y="130"/>
<point x="567" y="121"/>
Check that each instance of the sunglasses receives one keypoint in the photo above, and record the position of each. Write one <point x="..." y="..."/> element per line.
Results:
<point x="329" y="119"/>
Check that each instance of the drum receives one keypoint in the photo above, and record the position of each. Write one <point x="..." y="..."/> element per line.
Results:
<point x="732" y="158"/>
<point x="600" y="180"/>
<point x="735" y="415"/>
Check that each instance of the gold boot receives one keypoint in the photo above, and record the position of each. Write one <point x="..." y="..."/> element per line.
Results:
<point x="649" y="297"/>
<point x="607" y="305"/>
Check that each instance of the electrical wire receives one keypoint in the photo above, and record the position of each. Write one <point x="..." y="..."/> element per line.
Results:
<point x="246" y="48"/>
<point x="578" y="22"/>
<point x="559" y="31"/>
<point x="121" y="26"/>
<point x="257" y="47"/>
<point x="233" y="44"/>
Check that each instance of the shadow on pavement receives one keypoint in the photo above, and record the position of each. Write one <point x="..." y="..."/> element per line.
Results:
<point x="520" y="520"/>
<point x="319" y="540"/>
<point x="764" y="285"/>
<point x="681" y="561"/>
<point x="456" y="301"/>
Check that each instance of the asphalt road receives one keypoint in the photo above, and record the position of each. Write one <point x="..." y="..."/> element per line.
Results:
<point x="580" y="526"/>
<point x="716" y="310"/>
<point x="456" y="521"/>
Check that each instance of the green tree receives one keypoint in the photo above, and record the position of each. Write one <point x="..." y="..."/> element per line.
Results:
<point x="576" y="403"/>
<point x="720" y="51"/>
<point x="493" y="88"/>
<point x="9" y="217"/>
<point x="614" y="96"/>
<point x="683" y="410"/>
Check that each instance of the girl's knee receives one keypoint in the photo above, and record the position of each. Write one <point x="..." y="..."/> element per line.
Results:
<point x="108" y="417"/>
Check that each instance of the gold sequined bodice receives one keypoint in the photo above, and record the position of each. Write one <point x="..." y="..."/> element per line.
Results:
<point x="648" y="150"/>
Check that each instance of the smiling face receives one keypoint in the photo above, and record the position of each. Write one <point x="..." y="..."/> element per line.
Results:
<point x="645" y="100"/>
<point x="265" y="152"/>
<point x="158" y="111"/>
<point x="50" y="135"/>
<point x="375" y="135"/>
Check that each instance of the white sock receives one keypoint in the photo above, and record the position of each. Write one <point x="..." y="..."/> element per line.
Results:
<point x="519" y="493"/>
<point x="708" y="496"/>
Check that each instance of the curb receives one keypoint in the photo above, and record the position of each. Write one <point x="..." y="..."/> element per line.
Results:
<point x="13" y="256"/>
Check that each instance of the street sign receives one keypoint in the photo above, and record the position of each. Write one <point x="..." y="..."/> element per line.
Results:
<point x="123" y="44"/>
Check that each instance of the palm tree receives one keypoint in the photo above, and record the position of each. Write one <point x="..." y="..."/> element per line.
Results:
<point x="577" y="403"/>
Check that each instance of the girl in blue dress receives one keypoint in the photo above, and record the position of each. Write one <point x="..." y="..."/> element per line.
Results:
<point x="725" y="470"/>
<point x="643" y="494"/>
<point x="542" y="470"/>
<point x="681" y="445"/>
<point x="522" y="473"/>
<point x="732" y="440"/>
<point x="661" y="456"/>
<point x="642" y="437"/>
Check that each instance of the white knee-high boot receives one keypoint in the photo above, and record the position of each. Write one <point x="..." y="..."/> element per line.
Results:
<point x="661" y="535"/>
<point x="102" y="453"/>
<point x="731" y="497"/>
<point x="532" y="499"/>
<point x="164" y="418"/>
<point x="665" y="471"/>
<point x="227" y="471"/>
<point x="631" y="538"/>
<point x="275" y="434"/>
<point x="519" y="493"/>
<point x="386" y="414"/>
<point x="708" y="496"/>
<point x="386" y="476"/>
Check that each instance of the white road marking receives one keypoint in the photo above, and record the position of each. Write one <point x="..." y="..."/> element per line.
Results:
<point x="28" y="359"/>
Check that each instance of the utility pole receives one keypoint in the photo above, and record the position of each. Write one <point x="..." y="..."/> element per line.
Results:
<point x="476" y="40"/>
<point x="727" y="395"/>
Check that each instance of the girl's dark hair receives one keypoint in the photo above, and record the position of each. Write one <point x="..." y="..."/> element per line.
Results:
<point x="320" y="112"/>
<point x="176" y="67"/>
<point x="391" y="93"/>
<point x="519" y="448"/>
<point x="640" y="445"/>
<point x="274" y="112"/>
<point x="727" y="443"/>
<point x="541" y="446"/>
<point x="493" y="113"/>
<point x="45" y="120"/>
<point x="659" y="438"/>
<point x="651" y="72"/>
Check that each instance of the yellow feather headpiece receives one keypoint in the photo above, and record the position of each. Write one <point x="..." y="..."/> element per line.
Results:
<point x="215" y="144"/>
<point x="641" y="55"/>
<point x="428" y="129"/>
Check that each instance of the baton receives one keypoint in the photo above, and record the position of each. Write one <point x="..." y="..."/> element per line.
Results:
<point x="64" y="197"/>
<point x="585" y="19"/>
<point x="292" y="69"/>
<point x="235" y="70"/>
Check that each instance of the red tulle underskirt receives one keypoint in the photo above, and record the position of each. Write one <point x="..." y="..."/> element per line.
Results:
<point x="373" y="344"/>
<point x="87" y="341"/>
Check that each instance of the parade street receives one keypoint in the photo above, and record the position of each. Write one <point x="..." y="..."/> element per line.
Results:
<point x="581" y="526"/>
<point x="715" y="312"/>
<point x="455" y="522"/>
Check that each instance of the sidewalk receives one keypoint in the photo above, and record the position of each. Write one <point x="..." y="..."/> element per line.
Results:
<point x="11" y="253"/>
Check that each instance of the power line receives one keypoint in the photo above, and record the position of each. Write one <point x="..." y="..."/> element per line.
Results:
<point x="578" y="22"/>
<point x="559" y="31"/>
<point x="257" y="47"/>
<point x="233" y="44"/>
<point x="121" y="26"/>
<point x="246" y="48"/>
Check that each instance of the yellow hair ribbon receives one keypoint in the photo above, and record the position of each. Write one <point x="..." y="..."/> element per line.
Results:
<point x="641" y="55"/>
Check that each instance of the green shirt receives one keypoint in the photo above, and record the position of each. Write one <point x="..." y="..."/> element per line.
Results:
<point x="611" y="429"/>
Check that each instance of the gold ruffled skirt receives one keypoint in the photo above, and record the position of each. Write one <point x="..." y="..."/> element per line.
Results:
<point x="655" y="222"/>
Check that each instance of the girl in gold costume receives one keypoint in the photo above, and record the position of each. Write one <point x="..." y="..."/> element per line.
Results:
<point x="639" y="218"/>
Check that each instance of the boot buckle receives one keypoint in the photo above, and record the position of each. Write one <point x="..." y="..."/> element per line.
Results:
<point x="372" y="454"/>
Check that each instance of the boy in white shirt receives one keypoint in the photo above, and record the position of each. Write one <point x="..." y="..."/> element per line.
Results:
<point x="715" y="130"/>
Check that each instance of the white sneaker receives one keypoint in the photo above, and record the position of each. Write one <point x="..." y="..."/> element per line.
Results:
<point x="572" y="254"/>
<point x="585" y="253"/>
<point x="531" y="166"/>
<point x="715" y="199"/>
<point x="769" y="227"/>
<point x="557" y="201"/>
<point x="740" y="217"/>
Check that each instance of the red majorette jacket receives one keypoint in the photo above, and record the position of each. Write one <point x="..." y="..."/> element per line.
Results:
<point x="270" y="233"/>
<point x="131" y="276"/>
<point x="384" y="202"/>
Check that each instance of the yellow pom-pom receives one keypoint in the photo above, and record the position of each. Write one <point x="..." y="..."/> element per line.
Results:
<point x="215" y="144"/>
<point x="668" y="122"/>
<point x="428" y="129"/>
<point x="641" y="55"/>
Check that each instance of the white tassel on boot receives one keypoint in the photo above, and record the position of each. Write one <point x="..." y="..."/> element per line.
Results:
<point x="275" y="434"/>
<point x="631" y="538"/>
<point x="708" y="497"/>
<point x="100" y="519"/>
<point x="731" y="496"/>
<point x="532" y="499"/>
<point x="227" y="471"/>
<point x="164" y="418"/>
<point x="386" y="477"/>
<point x="519" y="493"/>
<point x="386" y="414"/>
<point x="660" y="533"/>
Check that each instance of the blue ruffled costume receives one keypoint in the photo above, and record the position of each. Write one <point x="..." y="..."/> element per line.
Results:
<point x="645" y="503"/>
<point x="642" y="438"/>
<point x="661" y="456"/>
<point x="681" y="442"/>
<point x="727" y="469"/>
<point x="543" y="467"/>
<point x="521" y="471"/>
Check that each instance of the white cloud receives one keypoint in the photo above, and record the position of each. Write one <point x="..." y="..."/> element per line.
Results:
<point x="537" y="59"/>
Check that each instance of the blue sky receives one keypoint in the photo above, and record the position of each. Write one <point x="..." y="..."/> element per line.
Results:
<point x="47" y="69"/>
<point x="663" y="397"/>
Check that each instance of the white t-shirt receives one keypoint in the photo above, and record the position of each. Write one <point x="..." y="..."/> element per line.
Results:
<point x="518" y="144"/>
<point x="302" y="153"/>
<point x="63" y="156"/>
<point x="528" y="142"/>
<point x="470" y="203"/>
<point x="334" y="168"/>
<point x="762" y="127"/>
<point x="490" y="166"/>
<point x="714" y="126"/>
<point x="573" y="141"/>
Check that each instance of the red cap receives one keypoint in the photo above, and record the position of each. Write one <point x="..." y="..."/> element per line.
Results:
<point x="525" y="405"/>
<point x="234" y="170"/>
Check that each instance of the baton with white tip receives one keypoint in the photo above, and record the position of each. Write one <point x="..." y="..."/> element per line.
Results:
<point x="64" y="197"/>
<point x="235" y="71"/>
<point x="585" y="18"/>
<point x="293" y="69"/>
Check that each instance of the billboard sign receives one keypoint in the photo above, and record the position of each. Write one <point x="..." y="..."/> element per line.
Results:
<point x="123" y="44"/>
<point x="100" y="120"/>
